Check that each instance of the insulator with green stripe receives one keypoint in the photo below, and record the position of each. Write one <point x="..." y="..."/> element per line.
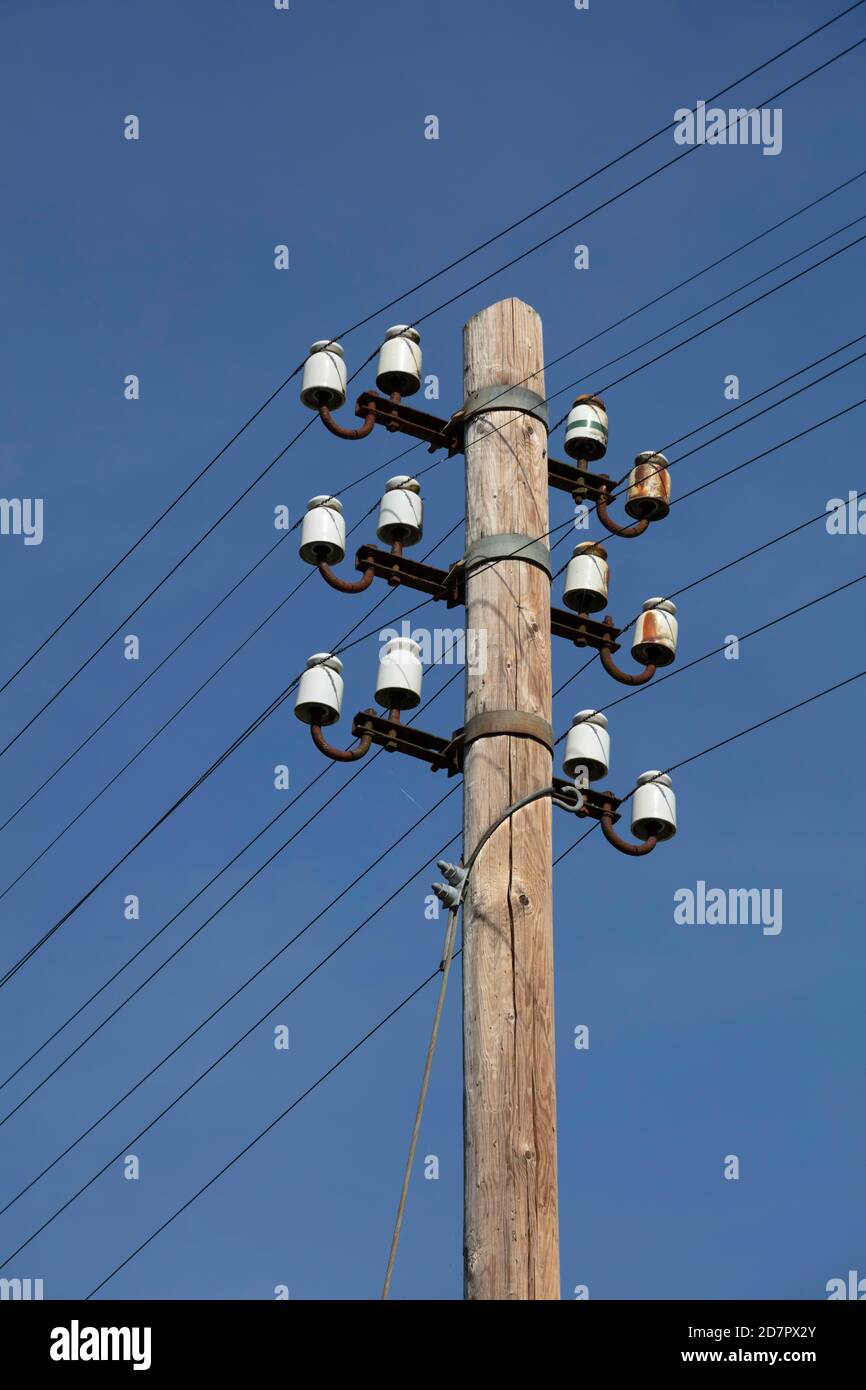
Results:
<point x="586" y="429"/>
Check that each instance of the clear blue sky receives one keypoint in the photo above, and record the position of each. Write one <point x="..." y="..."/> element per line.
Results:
<point x="156" y="258"/>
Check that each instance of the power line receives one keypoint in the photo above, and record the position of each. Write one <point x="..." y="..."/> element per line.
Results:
<point x="452" y="299"/>
<point x="345" y="1057"/>
<point x="341" y="647"/>
<point x="783" y="284"/>
<point x="603" y="169"/>
<point x="177" y="1099"/>
<point x="570" y="522"/>
<point x="569" y="226"/>
<point x="185" y="705"/>
<point x="720" y="569"/>
<point x="174" y="569"/>
<point x="424" y="983"/>
<point x="667" y="352"/>
<point x="754" y="632"/>
<point x="774" y="448"/>
<point x="144" y="535"/>
<point x="211" y="917"/>
<point x="170" y="812"/>
<point x="712" y="265"/>
<point x="217" y="763"/>
<point x="142" y="683"/>
<point x="732" y="738"/>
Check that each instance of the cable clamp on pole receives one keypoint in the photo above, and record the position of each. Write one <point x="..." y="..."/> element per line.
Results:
<point x="508" y="546"/>
<point x="512" y="722"/>
<point x="515" y="398"/>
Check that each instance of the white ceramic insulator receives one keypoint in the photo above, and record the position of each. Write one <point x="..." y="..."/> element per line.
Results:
<point x="586" y="579"/>
<point x="324" y="379"/>
<point x="323" y="532"/>
<point x="654" y="807"/>
<point x="655" y="633"/>
<point x="586" y="431"/>
<point x="399" y="365"/>
<point x="588" y="744"/>
<point x="401" y="512"/>
<point x="320" y="692"/>
<point x="398" y="681"/>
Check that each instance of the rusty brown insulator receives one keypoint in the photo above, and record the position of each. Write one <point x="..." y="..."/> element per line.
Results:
<point x="613" y="526"/>
<point x="340" y="755"/>
<point x="360" y="433"/>
<point x="624" y="846"/>
<point x="625" y="677"/>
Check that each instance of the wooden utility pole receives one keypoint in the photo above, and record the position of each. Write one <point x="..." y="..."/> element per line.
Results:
<point x="511" y="1236"/>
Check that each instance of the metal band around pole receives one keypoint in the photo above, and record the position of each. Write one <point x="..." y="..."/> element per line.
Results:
<point x="515" y="398"/>
<point x="508" y="546"/>
<point x="513" y="722"/>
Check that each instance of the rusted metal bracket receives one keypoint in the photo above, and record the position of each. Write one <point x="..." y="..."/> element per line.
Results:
<point x="396" y="737"/>
<point x="584" y="631"/>
<point x="579" y="482"/>
<point x="339" y="755"/>
<point x="397" y="416"/>
<point x="439" y="433"/>
<point x="399" y="569"/>
<point x="595" y="804"/>
<point x="614" y="527"/>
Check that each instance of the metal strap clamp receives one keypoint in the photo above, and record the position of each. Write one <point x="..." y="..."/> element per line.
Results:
<point x="508" y="721"/>
<point x="508" y="546"/>
<point x="519" y="398"/>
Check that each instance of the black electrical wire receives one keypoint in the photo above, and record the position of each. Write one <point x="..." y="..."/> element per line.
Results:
<point x="675" y="347"/>
<point x="633" y="314"/>
<point x="570" y="522"/>
<point x="185" y="705"/>
<point x="346" y="645"/>
<point x="214" y="766"/>
<point x="189" y="902"/>
<point x="720" y="569"/>
<point x="791" y="439"/>
<point x="242" y="1038"/>
<point x="424" y="983"/>
<point x="754" y="632"/>
<point x="684" y="342"/>
<point x="296" y="587"/>
<point x="452" y="299"/>
<point x="142" y="683"/>
<point x="603" y="169"/>
<point x="345" y="1057"/>
<point x="732" y="738"/>
<point x="144" y="535"/>
<point x="339" y="648"/>
<point x="217" y="763"/>
<point x="569" y="226"/>
<point x="125" y="620"/>
<point x="749" y="304"/>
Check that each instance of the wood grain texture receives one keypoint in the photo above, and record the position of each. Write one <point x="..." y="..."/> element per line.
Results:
<point x="511" y="1234"/>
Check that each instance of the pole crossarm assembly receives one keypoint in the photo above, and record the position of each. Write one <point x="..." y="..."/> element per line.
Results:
<point x="505" y="745"/>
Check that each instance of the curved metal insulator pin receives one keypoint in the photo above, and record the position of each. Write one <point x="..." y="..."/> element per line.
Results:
<point x="339" y="755"/>
<point x="625" y="677"/>
<point x="625" y="846"/>
<point x="360" y="433"/>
